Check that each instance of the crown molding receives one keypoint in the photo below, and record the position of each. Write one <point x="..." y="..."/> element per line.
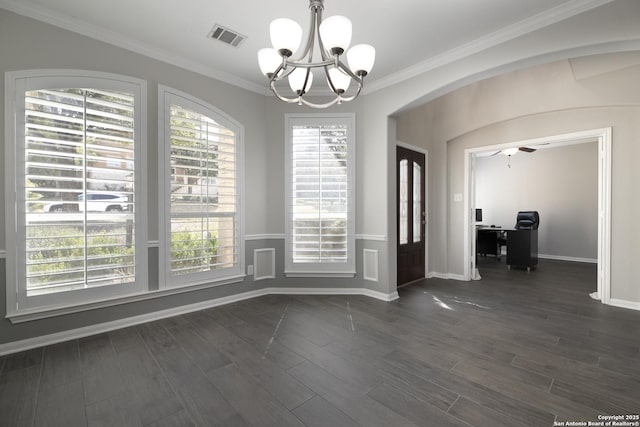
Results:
<point x="104" y="35"/>
<point x="536" y="22"/>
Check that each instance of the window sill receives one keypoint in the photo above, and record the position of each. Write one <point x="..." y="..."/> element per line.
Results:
<point x="44" y="313"/>
<point x="348" y="274"/>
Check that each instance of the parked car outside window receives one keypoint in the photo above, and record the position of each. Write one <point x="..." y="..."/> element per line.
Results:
<point x="96" y="202"/>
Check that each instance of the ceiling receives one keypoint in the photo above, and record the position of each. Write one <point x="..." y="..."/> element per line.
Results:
<point x="410" y="36"/>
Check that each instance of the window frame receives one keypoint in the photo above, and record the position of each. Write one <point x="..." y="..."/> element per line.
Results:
<point x="318" y="269"/>
<point x="166" y="96"/>
<point x="16" y="84"/>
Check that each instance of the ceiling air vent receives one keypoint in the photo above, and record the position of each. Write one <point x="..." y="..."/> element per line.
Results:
<point x="227" y="36"/>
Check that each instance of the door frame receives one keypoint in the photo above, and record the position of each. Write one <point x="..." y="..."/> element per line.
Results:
<point x="603" y="137"/>
<point x="425" y="195"/>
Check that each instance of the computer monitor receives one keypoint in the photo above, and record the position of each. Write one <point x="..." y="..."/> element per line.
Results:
<point x="478" y="215"/>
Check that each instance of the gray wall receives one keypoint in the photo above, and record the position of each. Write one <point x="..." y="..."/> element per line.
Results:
<point x="29" y="44"/>
<point x="383" y="117"/>
<point x="540" y="101"/>
<point x="560" y="183"/>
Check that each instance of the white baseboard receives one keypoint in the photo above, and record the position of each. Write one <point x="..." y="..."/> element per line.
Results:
<point x="272" y="236"/>
<point x="568" y="258"/>
<point x="27" y="344"/>
<point x="334" y="291"/>
<point x="624" y="304"/>
<point x="86" y="331"/>
<point x="446" y="276"/>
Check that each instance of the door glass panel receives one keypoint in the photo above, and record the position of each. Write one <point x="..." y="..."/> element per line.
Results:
<point x="417" y="202"/>
<point x="404" y="202"/>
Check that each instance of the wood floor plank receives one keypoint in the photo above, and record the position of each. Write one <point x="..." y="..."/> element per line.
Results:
<point x="178" y="368"/>
<point x="113" y="411"/>
<point x="620" y="364"/>
<point x="481" y="416"/>
<point x="503" y="403"/>
<point x="204" y="403"/>
<point x="263" y="340"/>
<point x="61" y="364"/>
<point x="61" y="405"/>
<point x="151" y="400"/>
<point x="103" y="382"/>
<point x="413" y="408"/>
<point x="206" y="355"/>
<point x="357" y="375"/>
<point x="157" y="337"/>
<point x="317" y="412"/>
<point x="348" y="399"/>
<point x="496" y="374"/>
<point x="18" y="396"/>
<point x="137" y="364"/>
<point x="414" y="379"/>
<point x="179" y="419"/>
<point x="623" y="387"/>
<point x="122" y="339"/>
<point x="235" y="421"/>
<point x="249" y="399"/>
<point x="594" y="398"/>
<point x="23" y="359"/>
<point x="516" y="348"/>
<point x="285" y="388"/>
<point x="407" y="372"/>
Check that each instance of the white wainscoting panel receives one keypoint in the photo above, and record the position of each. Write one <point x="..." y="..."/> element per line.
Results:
<point x="370" y="264"/>
<point x="264" y="264"/>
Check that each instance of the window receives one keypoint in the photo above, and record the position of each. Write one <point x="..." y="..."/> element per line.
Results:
<point x="200" y="171"/>
<point x="74" y="149"/>
<point x="320" y="195"/>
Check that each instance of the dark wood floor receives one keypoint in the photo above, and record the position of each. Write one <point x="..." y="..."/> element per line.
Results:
<point x="514" y="349"/>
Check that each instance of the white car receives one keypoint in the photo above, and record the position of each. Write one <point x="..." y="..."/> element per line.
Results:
<point x="96" y="202"/>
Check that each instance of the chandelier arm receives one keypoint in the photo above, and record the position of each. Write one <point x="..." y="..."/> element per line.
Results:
<point x="336" y="100"/>
<point x="285" y="73"/>
<point x="330" y="59"/>
<point x="355" y="95"/>
<point x="324" y="53"/>
<point x="331" y="85"/>
<point x="301" y="100"/>
<point x="347" y="70"/>
<point x="281" y="97"/>
<point x="308" y="49"/>
<point x="309" y="65"/>
<point x="275" y="75"/>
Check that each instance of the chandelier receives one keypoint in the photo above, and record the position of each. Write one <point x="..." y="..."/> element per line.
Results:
<point x="333" y="36"/>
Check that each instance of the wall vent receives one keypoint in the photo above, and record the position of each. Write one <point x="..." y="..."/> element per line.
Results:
<point x="226" y="35"/>
<point x="370" y="264"/>
<point x="264" y="261"/>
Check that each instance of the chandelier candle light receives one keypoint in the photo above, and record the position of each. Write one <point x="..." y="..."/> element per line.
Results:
<point x="333" y="36"/>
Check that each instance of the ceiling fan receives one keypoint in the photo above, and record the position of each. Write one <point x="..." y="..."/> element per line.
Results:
<point x="513" y="150"/>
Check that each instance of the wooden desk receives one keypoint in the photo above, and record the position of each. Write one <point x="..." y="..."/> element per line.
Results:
<point x="522" y="248"/>
<point x="487" y="241"/>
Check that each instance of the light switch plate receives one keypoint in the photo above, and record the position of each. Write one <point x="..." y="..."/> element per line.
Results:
<point x="457" y="197"/>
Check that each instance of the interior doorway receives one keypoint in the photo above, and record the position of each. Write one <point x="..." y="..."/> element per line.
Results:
<point x="411" y="214"/>
<point x="603" y="138"/>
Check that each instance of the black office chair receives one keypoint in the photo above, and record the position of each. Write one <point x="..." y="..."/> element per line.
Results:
<point x="522" y="249"/>
<point x="527" y="220"/>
